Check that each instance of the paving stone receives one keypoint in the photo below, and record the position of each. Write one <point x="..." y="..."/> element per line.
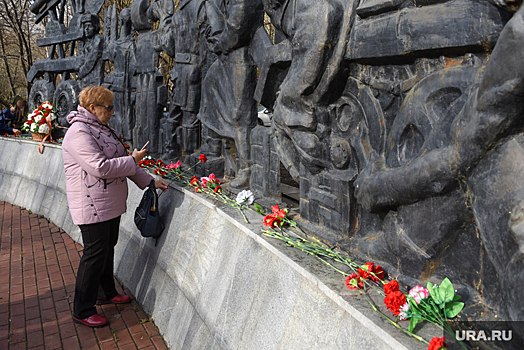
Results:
<point x="36" y="308"/>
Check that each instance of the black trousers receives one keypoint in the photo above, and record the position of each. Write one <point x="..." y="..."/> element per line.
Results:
<point x="94" y="280"/>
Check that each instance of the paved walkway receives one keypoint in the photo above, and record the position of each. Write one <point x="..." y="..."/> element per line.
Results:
<point x="38" y="263"/>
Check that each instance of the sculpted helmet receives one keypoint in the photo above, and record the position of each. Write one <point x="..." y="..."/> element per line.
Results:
<point x="89" y="17"/>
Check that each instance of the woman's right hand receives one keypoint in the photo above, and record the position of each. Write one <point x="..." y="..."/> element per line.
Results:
<point x="139" y="155"/>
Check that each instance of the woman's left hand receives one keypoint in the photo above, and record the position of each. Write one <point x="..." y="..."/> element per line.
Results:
<point x="161" y="184"/>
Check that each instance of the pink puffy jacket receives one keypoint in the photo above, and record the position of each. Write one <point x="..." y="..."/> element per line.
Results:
<point x="96" y="167"/>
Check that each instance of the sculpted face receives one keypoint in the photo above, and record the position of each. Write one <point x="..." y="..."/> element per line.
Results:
<point x="89" y="30"/>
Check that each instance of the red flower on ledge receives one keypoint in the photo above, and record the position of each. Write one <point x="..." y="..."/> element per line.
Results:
<point x="437" y="343"/>
<point x="203" y="158"/>
<point x="275" y="219"/>
<point x="394" y="301"/>
<point x="391" y="286"/>
<point x="377" y="272"/>
<point x="353" y="281"/>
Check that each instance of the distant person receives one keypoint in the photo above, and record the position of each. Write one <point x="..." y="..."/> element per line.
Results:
<point x="6" y="117"/>
<point x="20" y="113"/>
<point x="97" y="166"/>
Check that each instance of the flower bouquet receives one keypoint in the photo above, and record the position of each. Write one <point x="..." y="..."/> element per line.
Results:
<point x="39" y="122"/>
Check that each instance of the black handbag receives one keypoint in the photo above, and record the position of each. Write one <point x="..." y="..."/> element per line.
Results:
<point x="147" y="217"/>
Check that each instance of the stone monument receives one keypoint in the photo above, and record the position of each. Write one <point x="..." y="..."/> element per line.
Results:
<point x="228" y="108"/>
<point x="399" y="123"/>
<point x="121" y="81"/>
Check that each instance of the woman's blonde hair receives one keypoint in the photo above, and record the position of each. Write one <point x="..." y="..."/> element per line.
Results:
<point x="95" y="95"/>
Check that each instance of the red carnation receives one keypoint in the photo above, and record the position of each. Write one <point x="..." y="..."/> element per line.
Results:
<point x="370" y="271"/>
<point x="194" y="182"/>
<point x="269" y="220"/>
<point x="353" y="281"/>
<point x="365" y="270"/>
<point x="281" y="213"/>
<point x="379" y="273"/>
<point x="394" y="301"/>
<point x="437" y="343"/>
<point x="218" y="189"/>
<point x="392" y="286"/>
<point x="203" y="158"/>
<point x="198" y="189"/>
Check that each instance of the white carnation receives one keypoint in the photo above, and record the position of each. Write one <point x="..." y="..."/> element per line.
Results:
<point x="34" y="127"/>
<point x="30" y="116"/>
<point x="43" y="129"/>
<point x="53" y="116"/>
<point x="245" y="197"/>
<point x="46" y="105"/>
<point x="38" y="117"/>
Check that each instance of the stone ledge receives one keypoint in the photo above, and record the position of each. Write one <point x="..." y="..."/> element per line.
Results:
<point x="212" y="282"/>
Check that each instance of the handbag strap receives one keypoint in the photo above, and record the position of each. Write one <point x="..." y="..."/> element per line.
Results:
<point x="155" y="195"/>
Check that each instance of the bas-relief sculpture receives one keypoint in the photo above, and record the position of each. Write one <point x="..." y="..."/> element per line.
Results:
<point x="182" y="41"/>
<point x="91" y="70"/>
<point x="467" y="165"/>
<point x="228" y="108"/>
<point x="404" y="135"/>
<point x="121" y="50"/>
<point x="150" y="94"/>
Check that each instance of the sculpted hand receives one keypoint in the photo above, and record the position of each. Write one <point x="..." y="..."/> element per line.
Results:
<point x="139" y="155"/>
<point x="368" y="186"/>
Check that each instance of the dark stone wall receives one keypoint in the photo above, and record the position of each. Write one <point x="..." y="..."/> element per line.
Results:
<point x="400" y="122"/>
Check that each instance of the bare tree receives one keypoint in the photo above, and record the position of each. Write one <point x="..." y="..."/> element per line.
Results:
<point x="18" y="49"/>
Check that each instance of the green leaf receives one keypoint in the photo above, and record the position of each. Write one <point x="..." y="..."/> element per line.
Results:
<point x="433" y="291"/>
<point x="452" y="309"/>
<point x="446" y="291"/>
<point x="259" y="208"/>
<point x="412" y="304"/>
<point x="456" y="297"/>
<point x="412" y="323"/>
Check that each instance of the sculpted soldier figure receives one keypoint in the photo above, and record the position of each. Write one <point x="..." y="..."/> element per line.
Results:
<point x="122" y="54"/>
<point x="318" y="31"/>
<point x="91" y="71"/>
<point x="181" y="40"/>
<point x="186" y="75"/>
<point x="228" y="108"/>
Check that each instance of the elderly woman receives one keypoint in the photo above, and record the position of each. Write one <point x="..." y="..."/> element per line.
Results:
<point x="97" y="166"/>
